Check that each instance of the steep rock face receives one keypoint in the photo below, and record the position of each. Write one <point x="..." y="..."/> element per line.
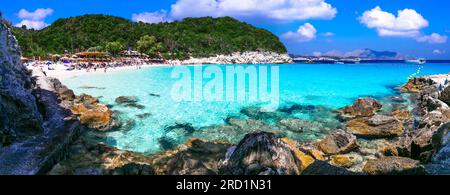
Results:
<point x="19" y="116"/>
<point x="34" y="128"/>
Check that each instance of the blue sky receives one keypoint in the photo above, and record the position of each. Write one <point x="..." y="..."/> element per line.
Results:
<point x="310" y="27"/>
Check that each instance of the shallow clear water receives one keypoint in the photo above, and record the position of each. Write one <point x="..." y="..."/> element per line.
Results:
<point x="322" y="87"/>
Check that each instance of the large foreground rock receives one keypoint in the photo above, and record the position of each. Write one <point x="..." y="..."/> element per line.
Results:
<point x="262" y="153"/>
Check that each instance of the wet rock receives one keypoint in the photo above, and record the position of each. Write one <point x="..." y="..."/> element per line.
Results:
<point x="267" y="153"/>
<point x="63" y="92"/>
<point x="338" y="142"/>
<point x="133" y="169"/>
<point x="363" y="107"/>
<point x="99" y="117"/>
<point x="126" y="99"/>
<point x="414" y="85"/>
<point x="342" y="160"/>
<point x="87" y="99"/>
<point x="323" y="168"/>
<point x="393" y="165"/>
<point x="378" y="126"/>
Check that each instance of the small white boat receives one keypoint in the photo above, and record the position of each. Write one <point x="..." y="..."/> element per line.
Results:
<point x="339" y="62"/>
<point x="417" y="61"/>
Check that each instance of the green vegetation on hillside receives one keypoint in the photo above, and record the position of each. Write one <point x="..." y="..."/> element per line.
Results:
<point x="198" y="37"/>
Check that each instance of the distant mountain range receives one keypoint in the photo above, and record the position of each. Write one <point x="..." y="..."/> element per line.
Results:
<point x="361" y="53"/>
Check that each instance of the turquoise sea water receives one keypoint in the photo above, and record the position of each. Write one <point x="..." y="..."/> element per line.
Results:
<point x="318" y="88"/>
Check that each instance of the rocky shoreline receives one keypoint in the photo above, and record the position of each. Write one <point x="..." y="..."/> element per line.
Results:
<point x="53" y="131"/>
<point x="240" y="58"/>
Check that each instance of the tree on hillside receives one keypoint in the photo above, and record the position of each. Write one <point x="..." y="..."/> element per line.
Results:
<point x="114" y="48"/>
<point x="148" y="45"/>
<point x="95" y="49"/>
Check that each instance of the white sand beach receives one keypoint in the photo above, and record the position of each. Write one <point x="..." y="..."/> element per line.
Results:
<point x="60" y="71"/>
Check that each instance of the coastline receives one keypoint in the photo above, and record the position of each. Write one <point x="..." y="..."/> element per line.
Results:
<point x="60" y="73"/>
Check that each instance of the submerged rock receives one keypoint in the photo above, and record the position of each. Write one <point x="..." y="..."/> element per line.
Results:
<point x="398" y="99"/>
<point x="263" y="153"/>
<point x="339" y="142"/>
<point x="363" y="107"/>
<point x="126" y="99"/>
<point x="393" y="165"/>
<point x="298" y="125"/>
<point x="186" y="128"/>
<point x="144" y="115"/>
<point x="378" y="126"/>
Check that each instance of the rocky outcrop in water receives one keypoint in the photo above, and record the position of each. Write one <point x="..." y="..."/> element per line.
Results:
<point x="241" y="58"/>
<point x="363" y="107"/>
<point x="377" y="126"/>
<point x="426" y="141"/>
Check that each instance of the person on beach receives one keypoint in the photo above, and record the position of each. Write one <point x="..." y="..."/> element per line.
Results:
<point x="42" y="70"/>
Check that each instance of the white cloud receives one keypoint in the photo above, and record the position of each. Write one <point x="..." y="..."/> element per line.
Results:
<point x="438" y="52"/>
<point x="406" y="24"/>
<point x="285" y="10"/>
<point x="433" y="38"/>
<point x="35" y="19"/>
<point x="151" y="17"/>
<point x="305" y="33"/>
<point x="37" y="25"/>
<point x="38" y="14"/>
<point x="327" y="34"/>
